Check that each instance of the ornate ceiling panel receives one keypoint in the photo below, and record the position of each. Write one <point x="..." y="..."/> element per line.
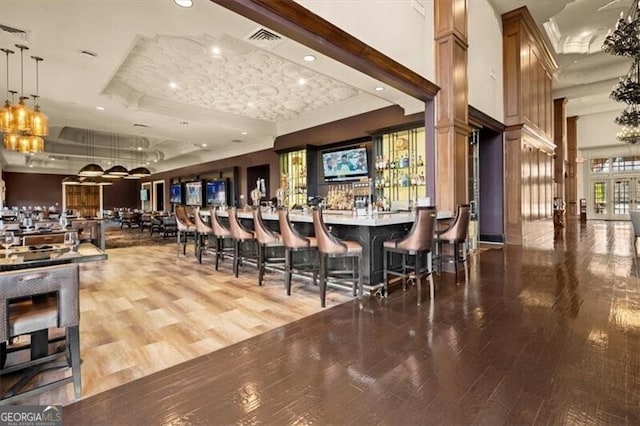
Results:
<point x="223" y="74"/>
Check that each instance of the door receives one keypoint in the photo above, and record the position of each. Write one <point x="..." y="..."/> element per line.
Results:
<point x="614" y="198"/>
<point x="83" y="200"/>
<point x="158" y="195"/>
<point x="474" y="189"/>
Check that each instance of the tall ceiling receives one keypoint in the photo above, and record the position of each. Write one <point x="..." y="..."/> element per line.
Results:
<point x="180" y="86"/>
<point x="174" y="86"/>
<point x="575" y="31"/>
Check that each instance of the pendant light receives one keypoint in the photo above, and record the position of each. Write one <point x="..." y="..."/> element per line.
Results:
<point x="5" y="112"/>
<point x="21" y="115"/>
<point x="91" y="169"/>
<point x="116" y="171"/>
<point x="39" y="121"/>
<point x="71" y="180"/>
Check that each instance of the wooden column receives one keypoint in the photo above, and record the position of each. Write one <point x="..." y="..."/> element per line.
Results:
<point x="560" y="139"/>
<point x="571" y="183"/>
<point x="452" y="127"/>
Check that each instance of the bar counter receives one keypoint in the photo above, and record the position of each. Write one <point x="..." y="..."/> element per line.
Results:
<point x="370" y="231"/>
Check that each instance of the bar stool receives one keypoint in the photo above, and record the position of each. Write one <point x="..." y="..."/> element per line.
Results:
<point x="331" y="247"/>
<point x="19" y="315"/>
<point x="203" y="233"/>
<point x="416" y="243"/>
<point x="221" y="234"/>
<point x="266" y="241"/>
<point x="240" y="238"/>
<point x="294" y="242"/>
<point x="456" y="235"/>
<point x="185" y="227"/>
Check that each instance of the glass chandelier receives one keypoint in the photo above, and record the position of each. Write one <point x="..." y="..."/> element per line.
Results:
<point x="23" y="127"/>
<point x="623" y="40"/>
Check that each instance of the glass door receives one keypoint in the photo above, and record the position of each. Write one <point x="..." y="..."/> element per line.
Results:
<point x="474" y="188"/>
<point x="614" y="198"/>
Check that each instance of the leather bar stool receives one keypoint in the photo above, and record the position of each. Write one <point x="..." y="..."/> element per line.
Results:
<point x="455" y="235"/>
<point x="20" y="314"/>
<point x="186" y="228"/>
<point x="203" y="234"/>
<point x="240" y="237"/>
<point x="417" y="243"/>
<point x="330" y="247"/>
<point x="221" y="234"/>
<point x="267" y="241"/>
<point x="293" y="243"/>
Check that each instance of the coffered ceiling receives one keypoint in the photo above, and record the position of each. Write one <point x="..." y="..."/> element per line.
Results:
<point x="148" y="82"/>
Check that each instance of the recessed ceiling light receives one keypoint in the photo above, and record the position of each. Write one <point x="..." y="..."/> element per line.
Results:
<point x="585" y="33"/>
<point x="184" y="122"/>
<point x="100" y="108"/>
<point x="379" y="89"/>
<point x="184" y="3"/>
<point x="302" y="81"/>
<point x="155" y="161"/>
<point x="31" y="165"/>
<point x="204" y="145"/>
<point x="309" y="58"/>
<point x="215" y="50"/>
<point x="173" y="84"/>
<point x="251" y="105"/>
<point x="139" y="148"/>
<point x="244" y="133"/>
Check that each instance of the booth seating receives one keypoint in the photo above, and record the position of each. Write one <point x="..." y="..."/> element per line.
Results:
<point x="293" y="243"/>
<point x="416" y="244"/>
<point x="330" y="247"/>
<point x="456" y="236"/>
<point x="56" y="305"/>
<point x="241" y="237"/>
<point x="267" y="242"/>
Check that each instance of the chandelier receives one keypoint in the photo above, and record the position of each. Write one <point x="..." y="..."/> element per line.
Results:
<point x="22" y="126"/>
<point x="623" y="40"/>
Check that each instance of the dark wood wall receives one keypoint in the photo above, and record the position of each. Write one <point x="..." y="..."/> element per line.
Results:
<point x="36" y="189"/>
<point x="33" y="189"/>
<point x="528" y="70"/>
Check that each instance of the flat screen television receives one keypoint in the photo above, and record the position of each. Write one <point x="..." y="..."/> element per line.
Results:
<point x="176" y="193"/>
<point x="217" y="192"/>
<point x="193" y="193"/>
<point x="345" y="164"/>
<point x="144" y="195"/>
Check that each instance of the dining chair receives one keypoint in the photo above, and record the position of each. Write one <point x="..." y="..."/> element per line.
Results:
<point x="415" y="245"/>
<point x="203" y="234"/>
<point x="185" y="229"/>
<point x="56" y="306"/>
<point x="221" y="234"/>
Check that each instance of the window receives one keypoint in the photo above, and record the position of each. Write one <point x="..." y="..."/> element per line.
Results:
<point x="625" y="164"/>
<point x="599" y="165"/>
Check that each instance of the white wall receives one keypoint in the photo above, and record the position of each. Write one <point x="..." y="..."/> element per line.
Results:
<point x="485" y="59"/>
<point x="393" y="27"/>
<point x="597" y="139"/>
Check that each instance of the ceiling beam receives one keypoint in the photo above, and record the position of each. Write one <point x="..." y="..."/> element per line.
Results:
<point x="300" y="24"/>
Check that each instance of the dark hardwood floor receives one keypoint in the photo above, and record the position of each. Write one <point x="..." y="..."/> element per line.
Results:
<point x="544" y="334"/>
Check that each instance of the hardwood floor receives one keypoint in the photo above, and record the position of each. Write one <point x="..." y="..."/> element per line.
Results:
<point x="543" y="334"/>
<point x="144" y="310"/>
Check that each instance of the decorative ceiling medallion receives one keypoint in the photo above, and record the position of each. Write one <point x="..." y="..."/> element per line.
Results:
<point x="239" y="80"/>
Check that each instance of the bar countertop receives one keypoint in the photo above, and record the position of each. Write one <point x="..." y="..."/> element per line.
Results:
<point x="337" y="217"/>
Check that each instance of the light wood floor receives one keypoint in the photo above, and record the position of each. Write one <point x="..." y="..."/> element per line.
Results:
<point x="144" y="310"/>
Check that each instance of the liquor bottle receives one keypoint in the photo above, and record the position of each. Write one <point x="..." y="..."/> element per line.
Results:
<point x="392" y="165"/>
<point x="405" y="161"/>
<point x="420" y="162"/>
<point x="421" y="180"/>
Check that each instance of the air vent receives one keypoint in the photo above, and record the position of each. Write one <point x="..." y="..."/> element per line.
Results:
<point x="264" y="39"/>
<point x="89" y="53"/>
<point x="140" y="125"/>
<point x="15" y="32"/>
<point x="264" y="35"/>
<point x="236" y="140"/>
